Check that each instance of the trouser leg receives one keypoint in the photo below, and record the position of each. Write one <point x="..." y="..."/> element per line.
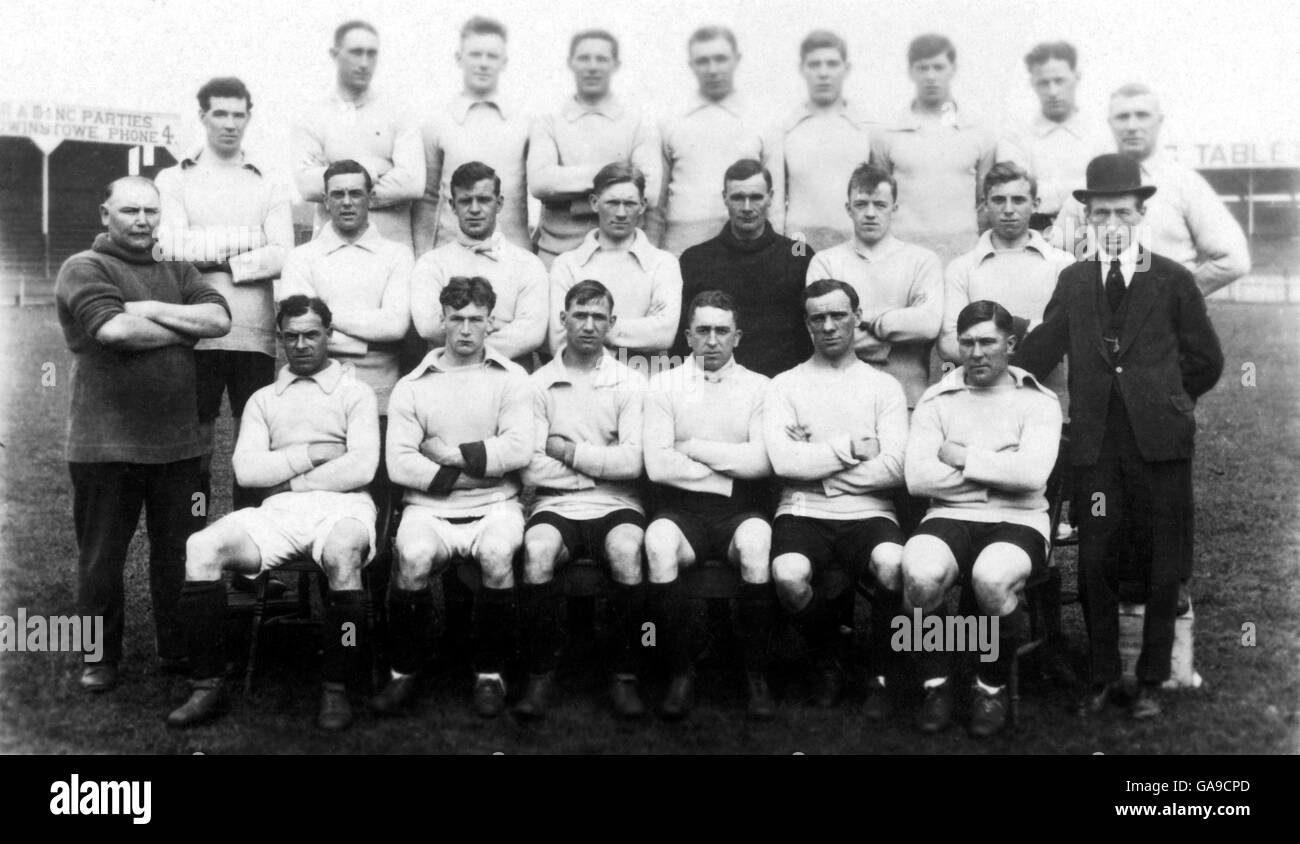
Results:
<point x="106" y="501"/>
<point x="170" y="508"/>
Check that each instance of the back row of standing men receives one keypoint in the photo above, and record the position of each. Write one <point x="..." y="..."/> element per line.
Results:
<point x="938" y="152"/>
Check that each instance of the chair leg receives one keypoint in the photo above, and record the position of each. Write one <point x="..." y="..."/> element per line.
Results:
<point x="1013" y="691"/>
<point x="1051" y="604"/>
<point x="255" y="634"/>
<point x="372" y="636"/>
<point x="304" y="591"/>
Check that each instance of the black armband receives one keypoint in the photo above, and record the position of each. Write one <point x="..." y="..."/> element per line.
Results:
<point x="442" y="482"/>
<point x="475" y="456"/>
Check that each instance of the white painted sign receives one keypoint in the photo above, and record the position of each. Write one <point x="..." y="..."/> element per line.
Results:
<point x="49" y="124"/>
<point x="1237" y="155"/>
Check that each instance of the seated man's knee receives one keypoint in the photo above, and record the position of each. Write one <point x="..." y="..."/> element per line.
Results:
<point x="662" y="550"/>
<point x="791" y="572"/>
<point x="542" y="546"/>
<point x="887" y="565"/>
<point x="416" y="553"/>
<point x="752" y="548"/>
<point x="496" y="559"/>
<point x="999" y="573"/>
<point x="344" y="553"/>
<point x="203" y="559"/>
<point x="928" y="569"/>
<point x="623" y="547"/>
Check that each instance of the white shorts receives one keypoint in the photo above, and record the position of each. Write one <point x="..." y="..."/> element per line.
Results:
<point x="462" y="539"/>
<point x="292" y="523"/>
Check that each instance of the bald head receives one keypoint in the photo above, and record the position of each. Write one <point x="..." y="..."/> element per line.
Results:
<point x="1135" y="120"/>
<point x="130" y="213"/>
<point x="138" y="181"/>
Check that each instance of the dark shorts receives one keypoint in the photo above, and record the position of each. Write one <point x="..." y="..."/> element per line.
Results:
<point x="845" y="544"/>
<point x="967" y="539"/>
<point x="239" y="373"/>
<point x="586" y="537"/>
<point x="709" y="536"/>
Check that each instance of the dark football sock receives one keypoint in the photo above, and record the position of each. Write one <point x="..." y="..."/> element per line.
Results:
<point x="410" y="613"/>
<point x="494" y="630"/>
<point x="202" y="610"/>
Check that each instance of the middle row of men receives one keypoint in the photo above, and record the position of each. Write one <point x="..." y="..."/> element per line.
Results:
<point x="909" y="301"/>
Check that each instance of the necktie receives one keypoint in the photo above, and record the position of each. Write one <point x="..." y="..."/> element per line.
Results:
<point x="1114" y="286"/>
<point x="490" y="247"/>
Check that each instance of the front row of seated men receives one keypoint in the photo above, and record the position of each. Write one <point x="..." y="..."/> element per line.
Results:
<point x="718" y="441"/>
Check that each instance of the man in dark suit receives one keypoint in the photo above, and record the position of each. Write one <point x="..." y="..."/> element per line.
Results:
<point x="1142" y="350"/>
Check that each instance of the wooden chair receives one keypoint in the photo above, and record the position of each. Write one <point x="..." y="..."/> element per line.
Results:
<point x="295" y="606"/>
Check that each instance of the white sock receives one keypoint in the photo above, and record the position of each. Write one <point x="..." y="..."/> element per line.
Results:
<point x="986" y="688"/>
<point x="396" y="675"/>
<point x="934" y="682"/>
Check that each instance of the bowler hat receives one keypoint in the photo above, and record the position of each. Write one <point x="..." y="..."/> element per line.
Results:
<point x="1113" y="174"/>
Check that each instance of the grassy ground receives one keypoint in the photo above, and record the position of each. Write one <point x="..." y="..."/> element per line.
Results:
<point x="1248" y="457"/>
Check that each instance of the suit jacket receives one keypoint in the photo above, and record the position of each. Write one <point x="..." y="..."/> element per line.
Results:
<point x="1168" y="356"/>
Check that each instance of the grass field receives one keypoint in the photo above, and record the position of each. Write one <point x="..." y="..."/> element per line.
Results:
<point x="1248" y="570"/>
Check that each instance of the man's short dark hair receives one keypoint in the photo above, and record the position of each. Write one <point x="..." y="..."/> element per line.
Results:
<point x="983" y="310"/>
<point x="122" y="180"/>
<point x="602" y="34"/>
<point x="617" y="173"/>
<point x="462" y="291"/>
<point x="712" y="299"/>
<point x="586" y="291"/>
<point x="1048" y="50"/>
<point x="344" y="28"/>
<point x="224" y="86"/>
<point x="344" y="167"/>
<point x="827" y="286"/>
<point x="1008" y="171"/>
<point x="298" y="304"/>
<point x="479" y="25"/>
<point x="929" y="45"/>
<point x="746" y="168"/>
<point x="868" y="177"/>
<point x="820" y="39"/>
<point x="471" y="173"/>
<point x="712" y="33"/>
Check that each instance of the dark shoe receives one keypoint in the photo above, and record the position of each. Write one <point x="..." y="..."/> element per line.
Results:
<point x="335" y="708"/>
<point x="830" y="686"/>
<point x="1095" y="702"/>
<point x="489" y="696"/>
<point x="936" y="710"/>
<point x="537" y="697"/>
<point x="761" y="706"/>
<point x="99" y="678"/>
<point x="395" y="696"/>
<point x="876" y="709"/>
<point x="207" y="700"/>
<point x="680" y="698"/>
<point x="243" y="583"/>
<point x="1146" y="703"/>
<point x="988" y="712"/>
<point x="626" y="697"/>
<point x="1184" y="600"/>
